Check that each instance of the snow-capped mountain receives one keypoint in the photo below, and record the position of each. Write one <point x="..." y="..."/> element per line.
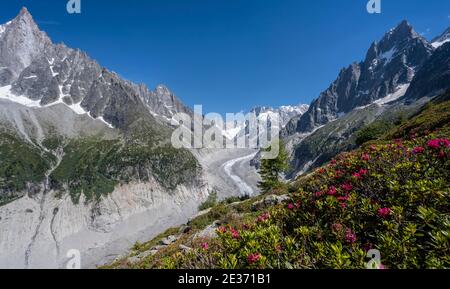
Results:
<point x="36" y="72"/>
<point x="390" y="64"/>
<point x="286" y="113"/>
<point x="263" y="113"/>
<point x="442" y="39"/>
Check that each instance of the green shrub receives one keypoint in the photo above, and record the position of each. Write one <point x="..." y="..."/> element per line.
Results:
<point x="210" y="202"/>
<point x="20" y="164"/>
<point x="372" y="131"/>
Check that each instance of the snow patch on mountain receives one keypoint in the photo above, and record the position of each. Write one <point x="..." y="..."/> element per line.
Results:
<point x="388" y="55"/>
<point x="5" y="93"/>
<point x="442" y="39"/>
<point x="401" y="90"/>
<point x="438" y="44"/>
<point x="3" y="28"/>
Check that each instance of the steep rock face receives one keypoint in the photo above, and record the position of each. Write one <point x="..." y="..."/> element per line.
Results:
<point x="37" y="69"/>
<point x="434" y="77"/>
<point x="442" y="39"/>
<point x="389" y="64"/>
<point x="162" y="101"/>
<point x="21" y="42"/>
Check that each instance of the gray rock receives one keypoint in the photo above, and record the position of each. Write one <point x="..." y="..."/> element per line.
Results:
<point x="210" y="232"/>
<point x="140" y="257"/>
<point x="169" y="240"/>
<point x="185" y="248"/>
<point x="158" y="247"/>
<point x="434" y="76"/>
<point x="269" y="201"/>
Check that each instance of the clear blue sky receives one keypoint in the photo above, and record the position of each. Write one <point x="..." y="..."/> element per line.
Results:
<point x="229" y="55"/>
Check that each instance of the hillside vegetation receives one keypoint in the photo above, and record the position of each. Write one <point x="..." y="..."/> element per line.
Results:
<point x="392" y="194"/>
<point x="22" y="166"/>
<point x="93" y="165"/>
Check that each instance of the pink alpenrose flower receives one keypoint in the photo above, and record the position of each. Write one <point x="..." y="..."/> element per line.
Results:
<point x="384" y="212"/>
<point x="253" y="258"/>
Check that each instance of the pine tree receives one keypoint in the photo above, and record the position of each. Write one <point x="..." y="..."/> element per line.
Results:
<point x="271" y="170"/>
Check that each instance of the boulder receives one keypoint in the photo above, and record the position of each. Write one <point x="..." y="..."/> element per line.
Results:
<point x="269" y="201"/>
<point x="169" y="240"/>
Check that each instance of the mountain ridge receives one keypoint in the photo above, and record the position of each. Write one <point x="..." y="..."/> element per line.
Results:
<point x="389" y="63"/>
<point x="71" y="77"/>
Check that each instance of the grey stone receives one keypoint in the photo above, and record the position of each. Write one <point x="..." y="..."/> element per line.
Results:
<point x="169" y="240"/>
<point x="185" y="248"/>
<point x="269" y="201"/>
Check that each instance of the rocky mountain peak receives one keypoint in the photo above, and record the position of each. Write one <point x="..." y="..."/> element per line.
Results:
<point x="44" y="74"/>
<point x="442" y="39"/>
<point x="395" y="41"/>
<point x="21" y="42"/>
<point x="390" y="65"/>
<point x="163" y="90"/>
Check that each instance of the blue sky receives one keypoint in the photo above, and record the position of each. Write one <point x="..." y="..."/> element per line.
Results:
<point x="229" y="55"/>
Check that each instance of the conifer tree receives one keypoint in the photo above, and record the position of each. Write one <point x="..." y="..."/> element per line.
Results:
<point x="272" y="169"/>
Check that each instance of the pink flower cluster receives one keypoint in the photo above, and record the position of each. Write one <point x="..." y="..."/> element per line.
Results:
<point x="438" y="143"/>
<point x="332" y="191"/>
<point x="365" y="157"/>
<point x="205" y="246"/>
<point x="318" y="194"/>
<point x="293" y="206"/>
<point x="418" y="150"/>
<point x="253" y="258"/>
<point x="344" y="198"/>
<point x="264" y="217"/>
<point x="384" y="212"/>
<point x="350" y="236"/>
<point x="360" y="174"/>
<point x="347" y="187"/>
<point x="222" y="230"/>
<point x="235" y="234"/>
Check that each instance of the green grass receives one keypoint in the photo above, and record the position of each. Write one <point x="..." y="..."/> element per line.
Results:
<point x="20" y="164"/>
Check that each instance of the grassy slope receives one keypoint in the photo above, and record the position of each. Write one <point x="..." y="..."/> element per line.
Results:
<point x="21" y="164"/>
<point x="342" y="135"/>
<point x="93" y="165"/>
<point x="392" y="195"/>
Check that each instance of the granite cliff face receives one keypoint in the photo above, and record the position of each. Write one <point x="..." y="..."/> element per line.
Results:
<point x="389" y="65"/>
<point x="35" y="69"/>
